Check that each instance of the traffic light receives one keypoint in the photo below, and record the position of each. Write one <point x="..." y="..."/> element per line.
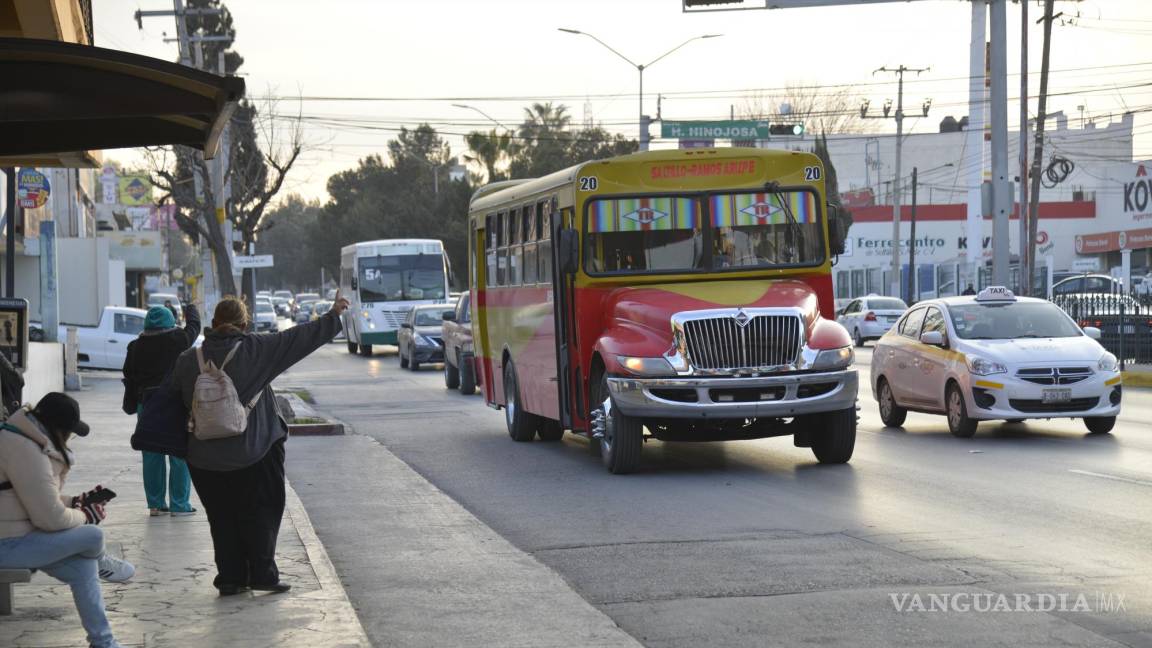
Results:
<point x="786" y="129"/>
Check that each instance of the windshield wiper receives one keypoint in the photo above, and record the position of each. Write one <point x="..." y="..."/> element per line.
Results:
<point x="793" y="224"/>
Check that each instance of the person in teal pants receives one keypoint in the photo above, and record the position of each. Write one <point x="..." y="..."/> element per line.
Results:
<point x="151" y="357"/>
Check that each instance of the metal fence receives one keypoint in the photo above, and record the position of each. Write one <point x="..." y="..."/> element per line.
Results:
<point x="1124" y="320"/>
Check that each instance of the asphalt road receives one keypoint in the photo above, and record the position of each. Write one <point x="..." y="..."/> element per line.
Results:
<point x="752" y="543"/>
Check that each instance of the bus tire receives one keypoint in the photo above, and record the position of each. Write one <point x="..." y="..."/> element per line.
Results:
<point x="835" y="438"/>
<point x="623" y="437"/>
<point x="521" y="424"/>
<point x="366" y="350"/>
<point x="451" y="375"/>
<point x="467" y="377"/>
<point x="550" y="430"/>
<point x="351" y="347"/>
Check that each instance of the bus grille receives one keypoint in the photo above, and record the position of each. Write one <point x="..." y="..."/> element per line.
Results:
<point x="394" y="318"/>
<point x="720" y="343"/>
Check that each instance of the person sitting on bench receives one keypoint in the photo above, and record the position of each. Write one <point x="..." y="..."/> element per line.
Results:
<point x="42" y="529"/>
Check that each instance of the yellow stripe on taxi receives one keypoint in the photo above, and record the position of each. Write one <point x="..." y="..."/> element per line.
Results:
<point x="1109" y="383"/>
<point x="988" y="384"/>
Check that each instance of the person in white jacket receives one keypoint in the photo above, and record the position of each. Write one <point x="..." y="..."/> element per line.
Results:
<point x="42" y="529"/>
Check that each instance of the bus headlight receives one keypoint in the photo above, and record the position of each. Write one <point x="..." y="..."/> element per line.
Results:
<point x="646" y="366"/>
<point x="840" y="358"/>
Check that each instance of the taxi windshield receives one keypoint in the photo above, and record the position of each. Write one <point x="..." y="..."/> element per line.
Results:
<point x="1012" y="320"/>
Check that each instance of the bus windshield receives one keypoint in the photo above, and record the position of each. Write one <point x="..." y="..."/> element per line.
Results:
<point x="713" y="232"/>
<point x="406" y="277"/>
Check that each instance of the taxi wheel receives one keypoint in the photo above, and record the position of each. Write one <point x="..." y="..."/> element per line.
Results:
<point x="890" y="413"/>
<point x="856" y="337"/>
<point x="835" y="442"/>
<point x="1100" y="424"/>
<point x="521" y="424"/>
<point x="467" y="377"/>
<point x="958" y="422"/>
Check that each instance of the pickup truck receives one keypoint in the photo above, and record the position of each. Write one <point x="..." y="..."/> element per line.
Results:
<point x="459" y="370"/>
<point x="104" y="346"/>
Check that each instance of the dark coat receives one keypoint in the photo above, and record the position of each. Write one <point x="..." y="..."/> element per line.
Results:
<point x="153" y="355"/>
<point x="259" y="360"/>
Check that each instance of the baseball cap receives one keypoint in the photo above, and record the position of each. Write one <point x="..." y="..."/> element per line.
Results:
<point x="62" y="412"/>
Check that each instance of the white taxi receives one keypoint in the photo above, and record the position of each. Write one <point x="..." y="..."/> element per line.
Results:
<point x="994" y="356"/>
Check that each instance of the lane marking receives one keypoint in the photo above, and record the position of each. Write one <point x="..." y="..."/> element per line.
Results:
<point x="1112" y="477"/>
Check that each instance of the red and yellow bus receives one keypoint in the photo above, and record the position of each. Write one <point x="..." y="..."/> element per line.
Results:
<point x="684" y="295"/>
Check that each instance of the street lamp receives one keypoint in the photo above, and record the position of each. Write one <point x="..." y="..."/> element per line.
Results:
<point x="486" y="115"/>
<point x="639" y="68"/>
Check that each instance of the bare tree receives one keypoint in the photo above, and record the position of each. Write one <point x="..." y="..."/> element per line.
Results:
<point x="821" y="111"/>
<point x="263" y="147"/>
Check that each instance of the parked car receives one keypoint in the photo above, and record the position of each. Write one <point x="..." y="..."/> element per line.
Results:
<point x="994" y="356"/>
<point x="1087" y="283"/>
<point x="264" y="315"/>
<point x="419" y="338"/>
<point x="459" y="370"/>
<point x="105" y="345"/>
<point x="868" y="318"/>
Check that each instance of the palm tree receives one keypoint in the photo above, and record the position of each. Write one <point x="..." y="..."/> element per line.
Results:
<point x="544" y="122"/>
<point x="488" y="150"/>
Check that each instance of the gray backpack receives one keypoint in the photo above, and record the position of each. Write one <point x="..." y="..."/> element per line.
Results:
<point x="217" y="412"/>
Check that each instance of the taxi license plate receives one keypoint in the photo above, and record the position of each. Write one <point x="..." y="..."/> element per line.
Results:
<point x="1056" y="395"/>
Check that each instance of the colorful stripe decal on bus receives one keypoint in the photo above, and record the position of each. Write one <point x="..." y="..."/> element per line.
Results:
<point x="644" y="214"/>
<point x="750" y="209"/>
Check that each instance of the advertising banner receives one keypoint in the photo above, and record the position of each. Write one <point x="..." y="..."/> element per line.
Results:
<point x="32" y="189"/>
<point x="135" y="190"/>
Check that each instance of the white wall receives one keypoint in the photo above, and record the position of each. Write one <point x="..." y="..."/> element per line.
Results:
<point x="45" y="371"/>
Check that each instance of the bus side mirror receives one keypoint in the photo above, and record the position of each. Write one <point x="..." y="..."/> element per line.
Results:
<point x="836" y="232"/>
<point x="569" y="251"/>
<point x="354" y="283"/>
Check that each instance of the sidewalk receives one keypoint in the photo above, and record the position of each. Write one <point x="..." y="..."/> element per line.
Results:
<point x="171" y="601"/>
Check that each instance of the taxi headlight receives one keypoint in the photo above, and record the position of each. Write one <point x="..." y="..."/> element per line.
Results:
<point x="1108" y="362"/>
<point x="834" y="359"/>
<point x="646" y="366"/>
<point x="982" y="367"/>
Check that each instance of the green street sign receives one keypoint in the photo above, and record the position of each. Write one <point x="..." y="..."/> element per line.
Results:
<point x="736" y="130"/>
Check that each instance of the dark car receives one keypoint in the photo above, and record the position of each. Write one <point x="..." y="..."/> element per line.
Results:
<point x="419" y="338"/>
<point x="459" y="372"/>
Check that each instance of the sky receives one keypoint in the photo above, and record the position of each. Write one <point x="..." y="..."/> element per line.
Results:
<point x="408" y="62"/>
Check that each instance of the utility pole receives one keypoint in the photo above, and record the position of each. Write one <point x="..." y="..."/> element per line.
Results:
<point x="1001" y="184"/>
<point x="895" y="286"/>
<point x="1038" y="154"/>
<point x="1022" y="208"/>
<point x="913" y="293"/>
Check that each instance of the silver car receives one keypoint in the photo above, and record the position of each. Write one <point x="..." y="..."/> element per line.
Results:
<point x="869" y="318"/>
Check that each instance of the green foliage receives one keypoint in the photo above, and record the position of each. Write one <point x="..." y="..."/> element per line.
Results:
<point x="545" y="144"/>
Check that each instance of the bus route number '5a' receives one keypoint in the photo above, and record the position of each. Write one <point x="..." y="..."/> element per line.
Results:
<point x="811" y="173"/>
<point x="588" y="183"/>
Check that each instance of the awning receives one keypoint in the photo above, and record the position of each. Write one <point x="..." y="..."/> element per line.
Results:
<point x="62" y="98"/>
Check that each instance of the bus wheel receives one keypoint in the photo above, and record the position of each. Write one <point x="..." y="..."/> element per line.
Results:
<point x="835" y="442"/>
<point x="621" y="436"/>
<point x="451" y="375"/>
<point x="521" y="424"/>
<point x="366" y="350"/>
<point x="550" y="430"/>
<point x="351" y="347"/>
<point x="467" y="377"/>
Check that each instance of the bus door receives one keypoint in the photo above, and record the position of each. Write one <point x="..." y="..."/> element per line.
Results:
<point x="480" y="268"/>
<point x="564" y="294"/>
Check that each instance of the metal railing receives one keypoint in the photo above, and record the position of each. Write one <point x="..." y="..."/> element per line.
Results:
<point x="1124" y="320"/>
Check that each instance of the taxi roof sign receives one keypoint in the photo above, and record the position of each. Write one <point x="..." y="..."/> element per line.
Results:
<point x="995" y="294"/>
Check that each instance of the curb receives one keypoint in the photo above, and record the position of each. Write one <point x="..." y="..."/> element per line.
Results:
<point x="1136" y="378"/>
<point x="315" y="429"/>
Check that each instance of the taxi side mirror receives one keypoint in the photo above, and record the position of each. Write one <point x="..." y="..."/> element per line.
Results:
<point x="934" y="338"/>
<point x="1092" y="332"/>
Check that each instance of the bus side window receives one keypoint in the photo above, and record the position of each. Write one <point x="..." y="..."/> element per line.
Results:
<point x="490" y="250"/>
<point x="514" y="250"/>
<point x="502" y="250"/>
<point x="543" y="225"/>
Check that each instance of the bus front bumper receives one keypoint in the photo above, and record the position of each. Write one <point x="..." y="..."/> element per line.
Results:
<point x="781" y="396"/>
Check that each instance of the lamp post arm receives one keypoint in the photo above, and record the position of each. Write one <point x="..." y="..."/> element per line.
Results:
<point x="611" y="49"/>
<point x="653" y="62"/>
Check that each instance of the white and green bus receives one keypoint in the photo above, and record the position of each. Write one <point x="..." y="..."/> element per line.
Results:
<point x="384" y="280"/>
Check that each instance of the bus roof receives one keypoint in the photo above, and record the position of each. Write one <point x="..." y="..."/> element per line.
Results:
<point x="353" y="247"/>
<point x="517" y="189"/>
